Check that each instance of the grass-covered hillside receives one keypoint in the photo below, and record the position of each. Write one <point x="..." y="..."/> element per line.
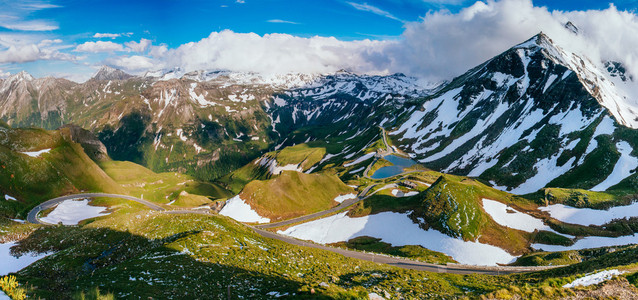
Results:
<point x="294" y="194"/>
<point x="175" y="188"/>
<point x="137" y="253"/>
<point x="61" y="168"/>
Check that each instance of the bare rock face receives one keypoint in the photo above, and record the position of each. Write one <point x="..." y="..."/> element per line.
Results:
<point x="93" y="147"/>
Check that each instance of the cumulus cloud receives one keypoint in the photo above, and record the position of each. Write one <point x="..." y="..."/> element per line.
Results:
<point x="271" y="53"/>
<point x="99" y="46"/>
<point x="107" y="35"/>
<point x="131" y="64"/>
<point x="27" y="53"/>
<point x="48" y="42"/>
<point x="138" y="47"/>
<point x="444" y="44"/>
<point x="439" y="46"/>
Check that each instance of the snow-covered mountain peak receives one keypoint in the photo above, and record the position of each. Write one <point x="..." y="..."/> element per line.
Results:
<point x="23" y="75"/>
<point x="109" y="73"/>
<point x="605" y="81"/>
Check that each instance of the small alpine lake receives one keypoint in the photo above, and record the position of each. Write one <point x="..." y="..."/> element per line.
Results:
<point x="399" y="165"/>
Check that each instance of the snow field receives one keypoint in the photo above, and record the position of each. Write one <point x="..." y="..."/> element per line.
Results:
<point x="71" y="212"/>
<point x="398" y="230"/>
<point x="239" y="210"/>
<point x="36" y="153"/>
<point x="509" y="217"/>
<point x="592" y="279"/>
<point x="345" y="197"/>
<point x="11" y="264"/>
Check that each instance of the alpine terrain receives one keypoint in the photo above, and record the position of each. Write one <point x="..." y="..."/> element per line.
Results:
<point x="516" y="179"/>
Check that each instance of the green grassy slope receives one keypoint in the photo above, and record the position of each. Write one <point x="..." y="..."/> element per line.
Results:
<point x="162" y="187"/>
<point x="64" y="169"/>
<point x="453" y="206"/>
<point x="294" y="194"/>
<point x="143" y="254"/>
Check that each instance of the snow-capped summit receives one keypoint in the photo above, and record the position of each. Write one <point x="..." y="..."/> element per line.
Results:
<point x="109" y="73"/>
<point x="23" y="75"/>
<point x="165" y="74"/>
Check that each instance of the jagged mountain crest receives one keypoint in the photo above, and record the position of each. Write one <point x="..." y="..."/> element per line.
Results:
<point x="108" y="73"/>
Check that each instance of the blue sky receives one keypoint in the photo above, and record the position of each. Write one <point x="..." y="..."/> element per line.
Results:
<point x="64" y="25"/>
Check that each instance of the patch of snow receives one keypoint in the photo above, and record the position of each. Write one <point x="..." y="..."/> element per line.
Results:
<point x="588" y="216"/>
<point x="360" y="159"/>
<point x="279" y="102"/>
<point x="622" y="169"/>
<point x="71" y="212"/>
<point x="275" y="169"/>
<point x="357" y="170"/>
<point x="400" y="193"/>
<point x="606" y="126"/>
<point x="591" y="242"/>
<point x="570" y="121"/>
<point x="592" y="279"/>
<point x="402" y="231"/>
<point x="12" y="264"/>
<point x="239" y="210"/>
<point x="549" y="82"/>
<point x="509" y="217"/>
<point x="345" y="197"/>
<point x="36" y="153"/>
<point x="546" y="171"/>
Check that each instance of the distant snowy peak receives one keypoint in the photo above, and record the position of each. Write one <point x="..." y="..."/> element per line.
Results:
<point x="396" y="83"/>
<point x="108" y="73"/>
<point x="22" y="76"/>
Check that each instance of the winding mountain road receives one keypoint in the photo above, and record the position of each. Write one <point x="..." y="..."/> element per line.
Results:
<point x="388" y="260"/>
<point x="32" y="217"/>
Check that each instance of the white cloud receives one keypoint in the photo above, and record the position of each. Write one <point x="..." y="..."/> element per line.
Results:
<point x="444" y="44"/>
<point x="138" y="47"/>
<point x="374" y="10"/>
<point x="439" y="46"/>
<point x="4" y="74"/>
<point x="27" y="53"/>
<point x="48" y="42"/>
<point x="240" y="1"/>
<point x="99" y="46"/>
<point x="271" y="53"/>
<point x="15" y="15"/>
<point x="107" y="35"/>
<point x="133" y="64"/>
<point x="282" y="21"/>
<point x="36" y="25"/>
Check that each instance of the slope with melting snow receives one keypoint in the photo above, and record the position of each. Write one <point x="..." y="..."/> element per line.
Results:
<point x="398" y="230"/>
<point x="517" y="119"/>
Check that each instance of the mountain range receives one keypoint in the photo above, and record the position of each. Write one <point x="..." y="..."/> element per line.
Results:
<point x="532" y="150"/>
